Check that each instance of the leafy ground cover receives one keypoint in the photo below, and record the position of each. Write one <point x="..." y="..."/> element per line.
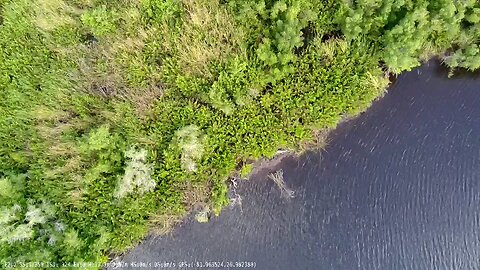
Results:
<point x="118" y="117"/>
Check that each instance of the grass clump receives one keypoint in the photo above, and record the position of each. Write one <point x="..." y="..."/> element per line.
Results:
<point x="119" y="118"/>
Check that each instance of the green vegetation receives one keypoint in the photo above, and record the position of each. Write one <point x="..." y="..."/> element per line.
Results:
<point x="408" y="31"/>
<point x="117" y="117"/>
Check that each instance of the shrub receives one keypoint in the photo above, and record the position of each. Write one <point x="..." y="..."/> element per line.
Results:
<point x="100" y="20"/>
<point x="137" y="177"/>
<point x="191" y="143"/>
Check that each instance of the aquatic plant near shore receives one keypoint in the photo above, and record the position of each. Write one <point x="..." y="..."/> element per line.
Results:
<point x="277" y="178"/>
<point x="202" y="216"/>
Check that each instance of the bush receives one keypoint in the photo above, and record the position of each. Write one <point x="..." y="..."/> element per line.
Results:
<point x="100" y="21"/>
<point x="410" y="30"/>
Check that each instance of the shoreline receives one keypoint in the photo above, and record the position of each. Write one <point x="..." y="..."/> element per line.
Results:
<point x="361" y="195"/>
<point x="264" y="166"/>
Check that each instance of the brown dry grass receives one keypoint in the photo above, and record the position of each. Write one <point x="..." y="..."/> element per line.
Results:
<point x="208" y="35"/>
<point x="318" y="142"/>
<point x="164" y="223"/>
<point x="103" y="64"/>
<point x="103" y="68"/>
<point x="51" y="14"/>
<point x="194" y="194"/>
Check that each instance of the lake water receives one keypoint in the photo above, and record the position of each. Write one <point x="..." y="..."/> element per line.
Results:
<point x="396" y="188"/>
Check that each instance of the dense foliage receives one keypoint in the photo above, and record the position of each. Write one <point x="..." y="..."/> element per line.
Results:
<point x="408" y="31"/>
<point x="117" y="117"/>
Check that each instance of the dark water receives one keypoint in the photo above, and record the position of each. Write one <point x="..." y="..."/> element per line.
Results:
<point x="397" y="188"/>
